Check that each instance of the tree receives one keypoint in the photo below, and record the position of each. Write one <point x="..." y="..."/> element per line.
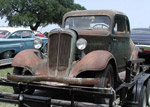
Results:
<point x="35" y="13"/>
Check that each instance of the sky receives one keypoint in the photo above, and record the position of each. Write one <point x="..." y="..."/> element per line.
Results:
<point x="138" y="11"/>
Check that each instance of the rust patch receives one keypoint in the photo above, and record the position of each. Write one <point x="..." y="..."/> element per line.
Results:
<point x="29" y="59"/>
<point x="96" y="60"/>
<point x="74" y="81"/>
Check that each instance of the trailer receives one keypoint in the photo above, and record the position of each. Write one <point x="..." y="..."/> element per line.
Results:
<point x="129" y="93"/>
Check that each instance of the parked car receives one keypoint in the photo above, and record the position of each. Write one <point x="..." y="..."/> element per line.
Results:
<point x="90" y="44"/>
<point x="4" y="33"/>
<point x="20" y="40"/>
<point x="5" y="30"/>
<point x="141" y="37"/>
<point x="38" y="33"/>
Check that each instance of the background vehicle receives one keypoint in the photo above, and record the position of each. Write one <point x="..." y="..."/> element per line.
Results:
<point x="141" y="37"/>
<point x="38" y="33"/>
<point x="17" y="41"/>
<point x="3" y="33"/>
<point x="85" y="59"/>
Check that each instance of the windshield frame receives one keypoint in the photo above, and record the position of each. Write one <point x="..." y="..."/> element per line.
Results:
<point x="86" y="16"/>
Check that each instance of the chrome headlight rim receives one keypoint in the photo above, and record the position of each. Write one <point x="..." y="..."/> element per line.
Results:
<point x="81" y="43"/>
<point x="38" y="43"/>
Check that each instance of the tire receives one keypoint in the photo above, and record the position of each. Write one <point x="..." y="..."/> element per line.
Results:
<point x="106" y="80"/>
<point x="17" y="90"/>
<point x="106" y="77"/>
<point x="7" y="54"/>
<point x="148" y="92"/>
<point x="143" y="99"/>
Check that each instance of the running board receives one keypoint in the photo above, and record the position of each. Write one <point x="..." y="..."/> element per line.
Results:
<point x="6" y="61"/>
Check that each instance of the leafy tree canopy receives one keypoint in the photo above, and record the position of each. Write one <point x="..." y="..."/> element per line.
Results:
<point x="35" y="13"/>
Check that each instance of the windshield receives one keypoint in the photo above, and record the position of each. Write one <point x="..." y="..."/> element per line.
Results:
<point x="87" y="22"/>
<point x="4" y="33"/>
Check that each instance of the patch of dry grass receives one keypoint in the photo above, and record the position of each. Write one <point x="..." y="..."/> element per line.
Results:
<point x="3" y="73"/>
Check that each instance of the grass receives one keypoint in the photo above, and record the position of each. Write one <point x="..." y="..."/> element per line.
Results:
<point x="3" y="73"/>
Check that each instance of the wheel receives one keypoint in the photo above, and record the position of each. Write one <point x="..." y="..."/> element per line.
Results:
<point x="148" y="92"/>
<point x="22" y="71"/>
<point x="106" y="77"/>
<point x="44" y="50"/>
<point x="7" y="54"/>
<point x="143" y="99"/>
<point x="106" y="80"/>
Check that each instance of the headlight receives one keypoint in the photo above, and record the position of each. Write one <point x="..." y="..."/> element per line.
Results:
<point x="81" y="44"/>
<point x="38" y="43"/>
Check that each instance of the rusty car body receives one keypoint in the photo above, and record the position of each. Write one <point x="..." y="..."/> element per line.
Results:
<point x="91" y="61"/>
<point x="104" y="43"/>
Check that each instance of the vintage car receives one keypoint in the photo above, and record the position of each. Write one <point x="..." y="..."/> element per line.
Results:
<point x="4" y="33"/>
<point x="19" y="40"/>
<point x="38" y="33"/>
<point x="90" y="49"/>
<point x="5" y="30"/>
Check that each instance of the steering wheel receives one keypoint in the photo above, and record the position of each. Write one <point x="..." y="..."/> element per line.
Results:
<point x="102" y="25"/>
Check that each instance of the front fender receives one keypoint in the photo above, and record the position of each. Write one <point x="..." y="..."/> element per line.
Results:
<point x="94" y="61"/>
<point x="31" y="60"/>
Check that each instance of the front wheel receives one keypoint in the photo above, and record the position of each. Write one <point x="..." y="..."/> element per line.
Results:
<point x="106" y="77"/>
<point x="18" y="90"/>
<point x="7" y="54"/>
<point x="106" y="81"/>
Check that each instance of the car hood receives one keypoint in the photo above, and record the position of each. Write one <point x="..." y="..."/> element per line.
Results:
<point x="93" y="32"/>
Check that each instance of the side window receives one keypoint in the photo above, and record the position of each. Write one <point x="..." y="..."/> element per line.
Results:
<point x="120" y="24"/>
<point x="15" y="35"/>
<point x="26" y="34"/>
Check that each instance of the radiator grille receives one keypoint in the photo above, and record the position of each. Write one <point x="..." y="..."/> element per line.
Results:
<point x="59" y="51"/>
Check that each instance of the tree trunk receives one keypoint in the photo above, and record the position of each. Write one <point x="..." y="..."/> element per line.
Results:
<point x="36" y="26"/>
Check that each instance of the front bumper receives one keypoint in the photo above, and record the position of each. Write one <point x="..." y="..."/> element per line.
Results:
<point x="65" y="80"/>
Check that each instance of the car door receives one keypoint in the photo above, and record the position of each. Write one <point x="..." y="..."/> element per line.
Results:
<point x="28" y="39"/>
<point x="14" y="42"/>
<point x="121" y="41"/>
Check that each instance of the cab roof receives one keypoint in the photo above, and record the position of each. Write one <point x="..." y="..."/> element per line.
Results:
<point x="110" y="13"/>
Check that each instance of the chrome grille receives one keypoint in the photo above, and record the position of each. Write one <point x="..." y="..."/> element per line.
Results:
<point x="59" y="51"/>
